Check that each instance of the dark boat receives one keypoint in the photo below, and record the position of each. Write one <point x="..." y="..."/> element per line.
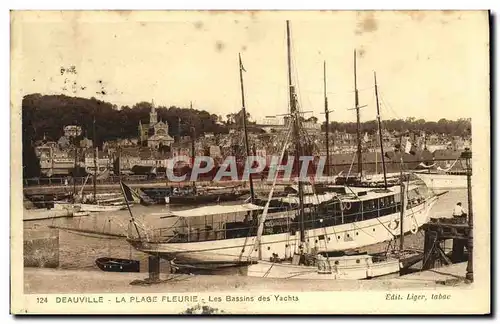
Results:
<point x="205" y="198"/>
<point x="118" y="265"/>
<point x="157" y="195"/>
<point x="47" y="200"/>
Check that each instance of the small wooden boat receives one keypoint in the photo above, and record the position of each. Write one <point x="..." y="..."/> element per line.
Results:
<point x="118" y="265"/>
<point x="47" y="200"/>
<point x="81" y="213"/>
<point x="40" y="214"/>
<point x="89" y="207"/>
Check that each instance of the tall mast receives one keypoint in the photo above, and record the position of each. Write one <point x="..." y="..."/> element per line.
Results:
<point x="327" y="113"/>
<point x="358" y="122"/>
<point x="295" y="117"/>
<point x="289" y="57"/>
<point x="247" y="147"/>
<point x="193" y="135"/>
<point x="95" y="161"/>
<point x="402" y="195"/>
<point x="380" y="130"/>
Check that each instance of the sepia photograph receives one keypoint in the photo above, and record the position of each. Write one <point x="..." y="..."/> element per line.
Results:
<point x="250" y="162"/>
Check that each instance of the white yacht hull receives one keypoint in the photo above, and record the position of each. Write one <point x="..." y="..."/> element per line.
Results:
<point x="346" y="269"/>
<point x="443" y="181"/>
<point x="332" y="238"/>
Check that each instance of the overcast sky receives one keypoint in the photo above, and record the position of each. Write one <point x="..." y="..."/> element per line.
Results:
<point x="429" y="65"/>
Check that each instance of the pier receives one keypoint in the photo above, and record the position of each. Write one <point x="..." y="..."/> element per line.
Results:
<point x="437" y="232"/>
<point x="458" y="229"/>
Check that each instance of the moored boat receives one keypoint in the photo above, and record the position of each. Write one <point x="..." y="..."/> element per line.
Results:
<point x="118" y="265"/>
<point x="351" y="218"/>
<point x="444" y="181"/>
<point x="227" y="236"/>
<point x="89" y="207"/>
<point x="354" y="267"/>
<point x="204" y="197"/>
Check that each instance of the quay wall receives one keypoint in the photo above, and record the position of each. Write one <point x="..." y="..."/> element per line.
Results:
<point x="41" y="248"/>
<point x="115" y="187"/>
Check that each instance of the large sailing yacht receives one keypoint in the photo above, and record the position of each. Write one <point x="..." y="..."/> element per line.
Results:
<point x="218" y="236"/>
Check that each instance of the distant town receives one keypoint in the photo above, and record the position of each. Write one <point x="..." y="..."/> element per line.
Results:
<point x="155" y="143"/>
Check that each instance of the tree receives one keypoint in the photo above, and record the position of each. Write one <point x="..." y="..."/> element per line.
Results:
<point x="30" y="162"/>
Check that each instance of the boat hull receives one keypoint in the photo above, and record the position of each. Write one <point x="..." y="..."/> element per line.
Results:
<point x="443" y="181"/>
<point x="203" y="199"/>
<point x="327" y="239"/>
<point x="347" y="268"/>
<point x="90" y="207"/>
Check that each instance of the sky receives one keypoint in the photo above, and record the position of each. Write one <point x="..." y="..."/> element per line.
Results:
<point x="429" y="64"/>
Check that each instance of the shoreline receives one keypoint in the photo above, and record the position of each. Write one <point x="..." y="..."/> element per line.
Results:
<point x="51" y="281"/>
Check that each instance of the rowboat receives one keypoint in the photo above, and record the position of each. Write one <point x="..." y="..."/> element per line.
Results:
<point x="118" y="265"/>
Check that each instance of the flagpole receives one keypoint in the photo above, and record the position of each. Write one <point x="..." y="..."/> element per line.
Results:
<point x="327" y="122"/>
<point x="129" y="210"/>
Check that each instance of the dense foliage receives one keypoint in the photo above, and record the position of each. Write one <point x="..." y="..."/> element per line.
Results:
<point x="46" y="115"/>
<point x="31" y="163"/>
<point x="460" y="127"/>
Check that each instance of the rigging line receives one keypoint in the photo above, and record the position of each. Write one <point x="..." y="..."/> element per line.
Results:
<point x="211" y="249"/>
<point x="424" y="262"/>
<point x="268" y="270"/>
<point x="411" y="207"/>
<point x="354" y="223"/>
<point x="386" y="228"/>
<point x="301" y="273"/>
<point x="339" y="92"/>
<point x="279" y="85"/>
<point x="350" y="168"/>
<point x="387" y="104"/>
<point x="361" y="228"/>
<point x="301" y="98"/>
<point x="296" y="72"/>
<point x="266" y="208"/>
<point x="333" y="227"/>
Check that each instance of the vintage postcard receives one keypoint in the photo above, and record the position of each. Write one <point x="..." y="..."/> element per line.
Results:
<point x="250" y="162"/>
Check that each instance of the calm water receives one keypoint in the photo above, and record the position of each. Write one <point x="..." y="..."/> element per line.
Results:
<point x="80" y="251"/>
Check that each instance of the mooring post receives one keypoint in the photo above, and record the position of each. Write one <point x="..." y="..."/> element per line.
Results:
<point x="467" y="155"/>
<point x="457" y="254"/>
<point x="429" y="249"/>
<point x="154" y="268"/>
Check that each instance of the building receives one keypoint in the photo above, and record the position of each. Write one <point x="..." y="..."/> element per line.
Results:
<point x="102" y="158"/>
<point x="72" y="131"/>
<point x="63" y="142"/>
<point x="155" y="134"/>
<point x="56" y="162"/>
<point x="86" y="143"/>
